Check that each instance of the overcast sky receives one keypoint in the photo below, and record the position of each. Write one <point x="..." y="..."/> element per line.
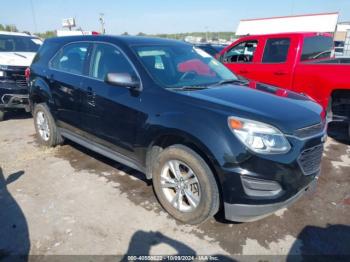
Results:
<point x="157" y="16"/>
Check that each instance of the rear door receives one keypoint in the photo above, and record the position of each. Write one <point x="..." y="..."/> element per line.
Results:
<point x="276" y="65"/>
<point x="66" y="75"/>
<point x="241" y="58"/>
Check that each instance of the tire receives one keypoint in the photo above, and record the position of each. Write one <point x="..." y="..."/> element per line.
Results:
<point x="2" y="115"/>
<point x="201" y="187"/>
<point x="46" y="131"/>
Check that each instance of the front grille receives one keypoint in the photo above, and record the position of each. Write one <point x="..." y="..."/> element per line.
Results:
<point x="310" y="160"/>
<point x="310" y="130"/>
<point x="17" y="74"/>
<point x="21" y="83"/>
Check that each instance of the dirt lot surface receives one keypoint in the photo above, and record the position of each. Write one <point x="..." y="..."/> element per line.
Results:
<point x="71" y="201"/>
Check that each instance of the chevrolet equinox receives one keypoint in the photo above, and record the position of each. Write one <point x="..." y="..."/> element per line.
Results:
<point x="208" y="140"/>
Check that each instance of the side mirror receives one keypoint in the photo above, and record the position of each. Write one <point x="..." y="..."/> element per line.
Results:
<point x="123" y="80"/>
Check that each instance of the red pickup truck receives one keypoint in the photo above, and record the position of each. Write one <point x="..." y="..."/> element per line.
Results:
<point x="302" y="62"/>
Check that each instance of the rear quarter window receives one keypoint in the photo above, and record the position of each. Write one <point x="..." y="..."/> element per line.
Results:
<point x="45" y="52"/>
<point x="71" y="58"/>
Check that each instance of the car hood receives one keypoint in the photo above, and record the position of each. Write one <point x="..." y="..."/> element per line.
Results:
<point x="16" y="58"/>
<point x="284" y="109"/>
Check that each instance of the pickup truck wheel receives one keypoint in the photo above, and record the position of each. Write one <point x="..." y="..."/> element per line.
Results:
<point x="185" y="185"/>
<point x="2" y="115"/>
<point x="45" y="126"/>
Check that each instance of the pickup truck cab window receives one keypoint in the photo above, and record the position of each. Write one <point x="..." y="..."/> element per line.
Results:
<point x="109" y="59"/>
<point x="317" y="47"/>
<point x="71" y="58"/>
<point x="276" y="50"/>
<point x="241" y="53"/>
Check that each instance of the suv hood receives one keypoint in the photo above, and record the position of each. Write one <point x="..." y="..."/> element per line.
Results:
<point x="16" y="58"/>
<point x="284" y="109"/>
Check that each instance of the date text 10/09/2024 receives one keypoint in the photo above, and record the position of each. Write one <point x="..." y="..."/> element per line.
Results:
<point x="173" y="258"/>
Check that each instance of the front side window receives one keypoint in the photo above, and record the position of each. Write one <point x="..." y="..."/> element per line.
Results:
<point x="276" y="50"/>
<point x="14" y="43"/>
<point x="182" y="65"/>
<point x="241" y="53"/>
<point x="317" y="47"/>
<point x="108" y="59"/>
<point x="71" y="58"/>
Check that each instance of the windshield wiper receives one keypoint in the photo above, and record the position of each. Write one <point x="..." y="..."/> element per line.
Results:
<point x="188" y="88"/>
<point x="230" y="81"/>
<point x="20" y="55"/>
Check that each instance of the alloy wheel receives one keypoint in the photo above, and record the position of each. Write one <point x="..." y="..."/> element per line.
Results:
<point x="180" y="186"/>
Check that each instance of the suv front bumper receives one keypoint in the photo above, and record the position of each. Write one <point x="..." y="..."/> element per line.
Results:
<point x="251" y="212"/>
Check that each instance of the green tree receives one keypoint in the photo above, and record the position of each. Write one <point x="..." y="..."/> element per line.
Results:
<point x="47" y="34"/>
<point x="9" y="28"/>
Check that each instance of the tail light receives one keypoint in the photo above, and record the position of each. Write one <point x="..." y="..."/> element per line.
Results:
<point x="27" y="74"/>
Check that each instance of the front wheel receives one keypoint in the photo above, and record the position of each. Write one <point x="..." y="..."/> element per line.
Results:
<point x="45" y="126"/>
<point x="185" y="185"/>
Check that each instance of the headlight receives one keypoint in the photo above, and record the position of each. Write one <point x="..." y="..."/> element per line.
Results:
<point x="2" y="68"/>
<point x="259" y="137"/>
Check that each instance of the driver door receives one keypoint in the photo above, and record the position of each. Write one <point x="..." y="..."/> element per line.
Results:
<point x="241" y="58"/>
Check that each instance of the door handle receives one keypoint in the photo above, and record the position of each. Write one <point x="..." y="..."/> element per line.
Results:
<point x="243" y="71"/>
<point x="279" y="73"/>
<point x="90" y="96"/>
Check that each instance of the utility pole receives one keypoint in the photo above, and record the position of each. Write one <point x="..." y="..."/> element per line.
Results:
<point x="102" y="21"/>
<point x="34" y="16"/>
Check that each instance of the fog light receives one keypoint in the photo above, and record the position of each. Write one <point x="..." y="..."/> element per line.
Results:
<point x="2" y="73"/>
<point x="260" y="188"/>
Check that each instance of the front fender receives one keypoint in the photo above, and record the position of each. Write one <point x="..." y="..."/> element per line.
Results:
<point x="208" y="132"/>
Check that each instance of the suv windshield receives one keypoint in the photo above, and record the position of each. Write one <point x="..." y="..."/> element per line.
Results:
<point x="317" y="47"/>
<point x="14" y="43"/>
<point x="182" y="65"/>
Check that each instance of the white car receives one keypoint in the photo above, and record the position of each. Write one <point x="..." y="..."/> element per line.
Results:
<point x="17" y="51"/>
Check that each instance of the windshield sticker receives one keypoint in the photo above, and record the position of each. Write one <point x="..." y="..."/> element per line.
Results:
<point x="201" y="52"/>
<point x="151" y="53"/>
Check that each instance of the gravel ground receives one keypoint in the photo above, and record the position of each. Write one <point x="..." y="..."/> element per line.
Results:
<point x="71" y="201"/>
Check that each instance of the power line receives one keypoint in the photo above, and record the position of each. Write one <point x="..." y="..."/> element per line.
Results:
<point x="34" y="17"/>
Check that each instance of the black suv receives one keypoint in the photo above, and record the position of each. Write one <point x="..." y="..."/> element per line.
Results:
<point x="207" y="140"/>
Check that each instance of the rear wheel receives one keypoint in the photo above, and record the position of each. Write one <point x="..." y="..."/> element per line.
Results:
<point x="2" y="115"/>
<point x="45" y="126"/>
<point x="185" y="185"/>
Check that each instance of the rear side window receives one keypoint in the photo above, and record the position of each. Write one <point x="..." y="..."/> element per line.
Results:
<point x="109" y="59"/>
<point x="317" y="47"/>
<point x="71" y="58"/>
<point x="276" y="50"/>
